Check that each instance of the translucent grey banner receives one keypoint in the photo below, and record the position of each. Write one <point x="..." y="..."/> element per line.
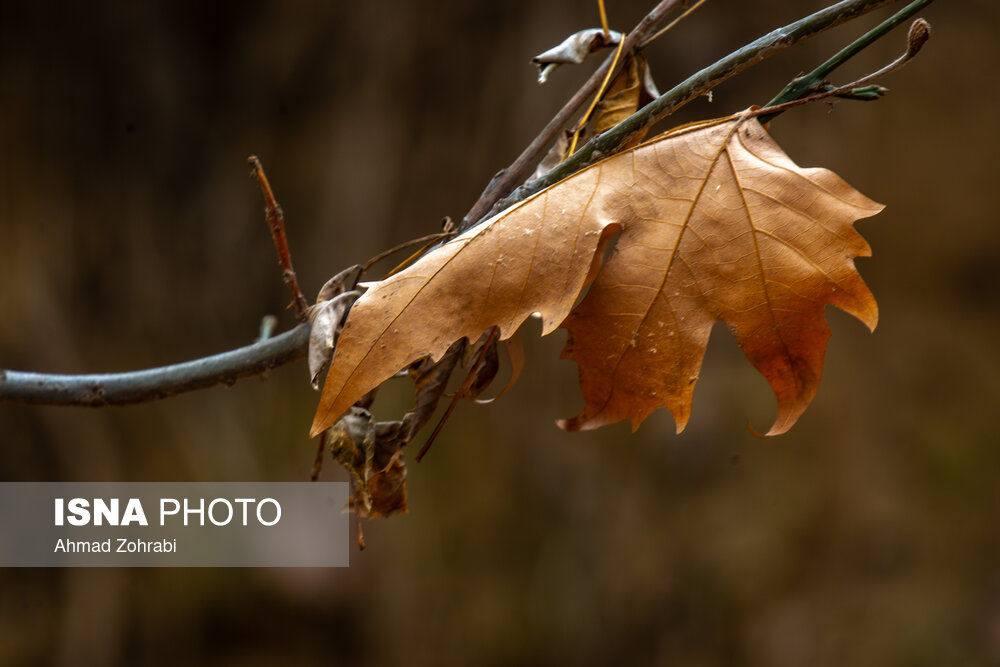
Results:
<point x="174" y="524"/>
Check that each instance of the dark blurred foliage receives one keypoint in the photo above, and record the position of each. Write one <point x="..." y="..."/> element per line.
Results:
<point x="133" y="236"/>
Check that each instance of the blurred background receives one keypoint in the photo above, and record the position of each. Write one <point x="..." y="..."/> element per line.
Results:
<point x="134" y="237"/>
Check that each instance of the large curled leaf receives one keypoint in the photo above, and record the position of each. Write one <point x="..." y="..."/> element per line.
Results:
<point x="718" y="225"/>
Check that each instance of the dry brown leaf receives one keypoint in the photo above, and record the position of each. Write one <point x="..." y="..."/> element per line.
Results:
<point x="351" y="441"/>
<point x="631" y="90"/>
<point x="387" y="490"/>
<point x="725" y="227"/>
<point x="719" y="224"/>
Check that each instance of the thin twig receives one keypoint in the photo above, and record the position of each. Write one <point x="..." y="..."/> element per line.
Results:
<point x="919" y="33"/>
<point x="666" y="28"/>
<point x="430" y="238"/>
<point x="604" y="20"/>
<point x="276" y="222"/>
<point x="804" y="85"/>
<point x="854" y="90"/>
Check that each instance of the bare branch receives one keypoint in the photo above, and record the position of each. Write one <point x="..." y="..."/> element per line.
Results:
<point x="149" y="385"/>
<point x="276" y="223"/>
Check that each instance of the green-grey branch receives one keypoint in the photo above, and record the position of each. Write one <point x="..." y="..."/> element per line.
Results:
<point x="803" y="86"/>
<point x="149" y="385"/>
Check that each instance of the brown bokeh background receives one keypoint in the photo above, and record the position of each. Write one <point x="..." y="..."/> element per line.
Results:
<point x="133" y="237"/>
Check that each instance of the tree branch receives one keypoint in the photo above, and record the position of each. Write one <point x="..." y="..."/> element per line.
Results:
<point x="802" y="86"/>
<point x="228" y="367"/>
<point x="103" y="389"/>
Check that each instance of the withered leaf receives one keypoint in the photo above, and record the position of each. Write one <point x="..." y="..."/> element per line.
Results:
<point x="515" y="354"/>
<point x="631" y="90"/>
<point x="555" y="154"/>
<point x="719" y="225"/>
<point x="324" y="321"/>
<point x="387" y="489"/>
<point x="351" y="441"/>
<point x="485" y="352"/>
<point x="574" y="50"/>
<point x="372" y="455"/>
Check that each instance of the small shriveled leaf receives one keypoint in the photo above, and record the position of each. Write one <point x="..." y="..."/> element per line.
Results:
<point x="515" y="354"/>
<point x="344" y="281"/>
<point x="574" y="50"/>
<point x="555" y="154"/>
<point x="631" y="90"/>
<point x="489" y="364"/>
<point x="351" y="440"/>
<point x="387" y="489"/>
<point x="324" y="321"/>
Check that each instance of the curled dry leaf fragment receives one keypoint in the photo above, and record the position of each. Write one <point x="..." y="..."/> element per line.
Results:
<point x="352" y="444"/>
<point x="555" y="155"/>
<point x="344" y="281"/>
<point x="489" y="364"/>
<point x="324" y="320"/>
<point x="386" y="489"/>
<point x="430" y="379"/>
<point x="515" y="354"/>
<point x="631" y="90"/>
<point x="574" y="50"/>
